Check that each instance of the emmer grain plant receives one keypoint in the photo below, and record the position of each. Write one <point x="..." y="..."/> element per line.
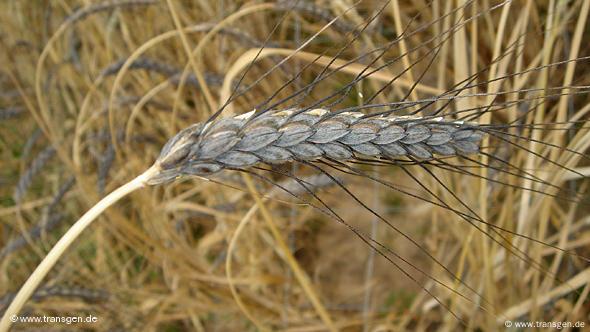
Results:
<point x="453" y="136"/>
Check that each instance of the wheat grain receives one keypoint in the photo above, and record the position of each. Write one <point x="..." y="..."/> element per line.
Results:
<point x="47" y="224"/>
<point x="105" y="162"/>
<point x="283" y="136"/>
<point x="162" y="68"/>
<point x="30" y="143"/>
<point x="317" y="12"/>
<point x="86" y="294"/>
<point x="11" y="112"/>
<point x="36" y="166"/>
<point x="106" y="5"/>
<point x="61" y="192"/>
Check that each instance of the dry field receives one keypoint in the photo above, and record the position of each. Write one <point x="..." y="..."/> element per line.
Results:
<point x="90" y="91"/>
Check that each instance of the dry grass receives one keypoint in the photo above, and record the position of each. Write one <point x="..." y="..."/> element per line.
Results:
<point x="196" y="255"/>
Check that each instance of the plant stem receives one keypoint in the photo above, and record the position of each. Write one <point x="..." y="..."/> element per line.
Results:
<point x="10" y="316"/>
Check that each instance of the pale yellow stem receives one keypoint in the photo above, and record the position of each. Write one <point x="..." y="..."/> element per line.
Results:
<point x="66" y="240"/>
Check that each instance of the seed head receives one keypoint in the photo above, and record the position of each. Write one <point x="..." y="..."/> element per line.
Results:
<point x="283" y="136"/>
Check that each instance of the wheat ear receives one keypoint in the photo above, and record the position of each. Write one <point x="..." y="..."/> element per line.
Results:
<point x="276" y="137"/>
